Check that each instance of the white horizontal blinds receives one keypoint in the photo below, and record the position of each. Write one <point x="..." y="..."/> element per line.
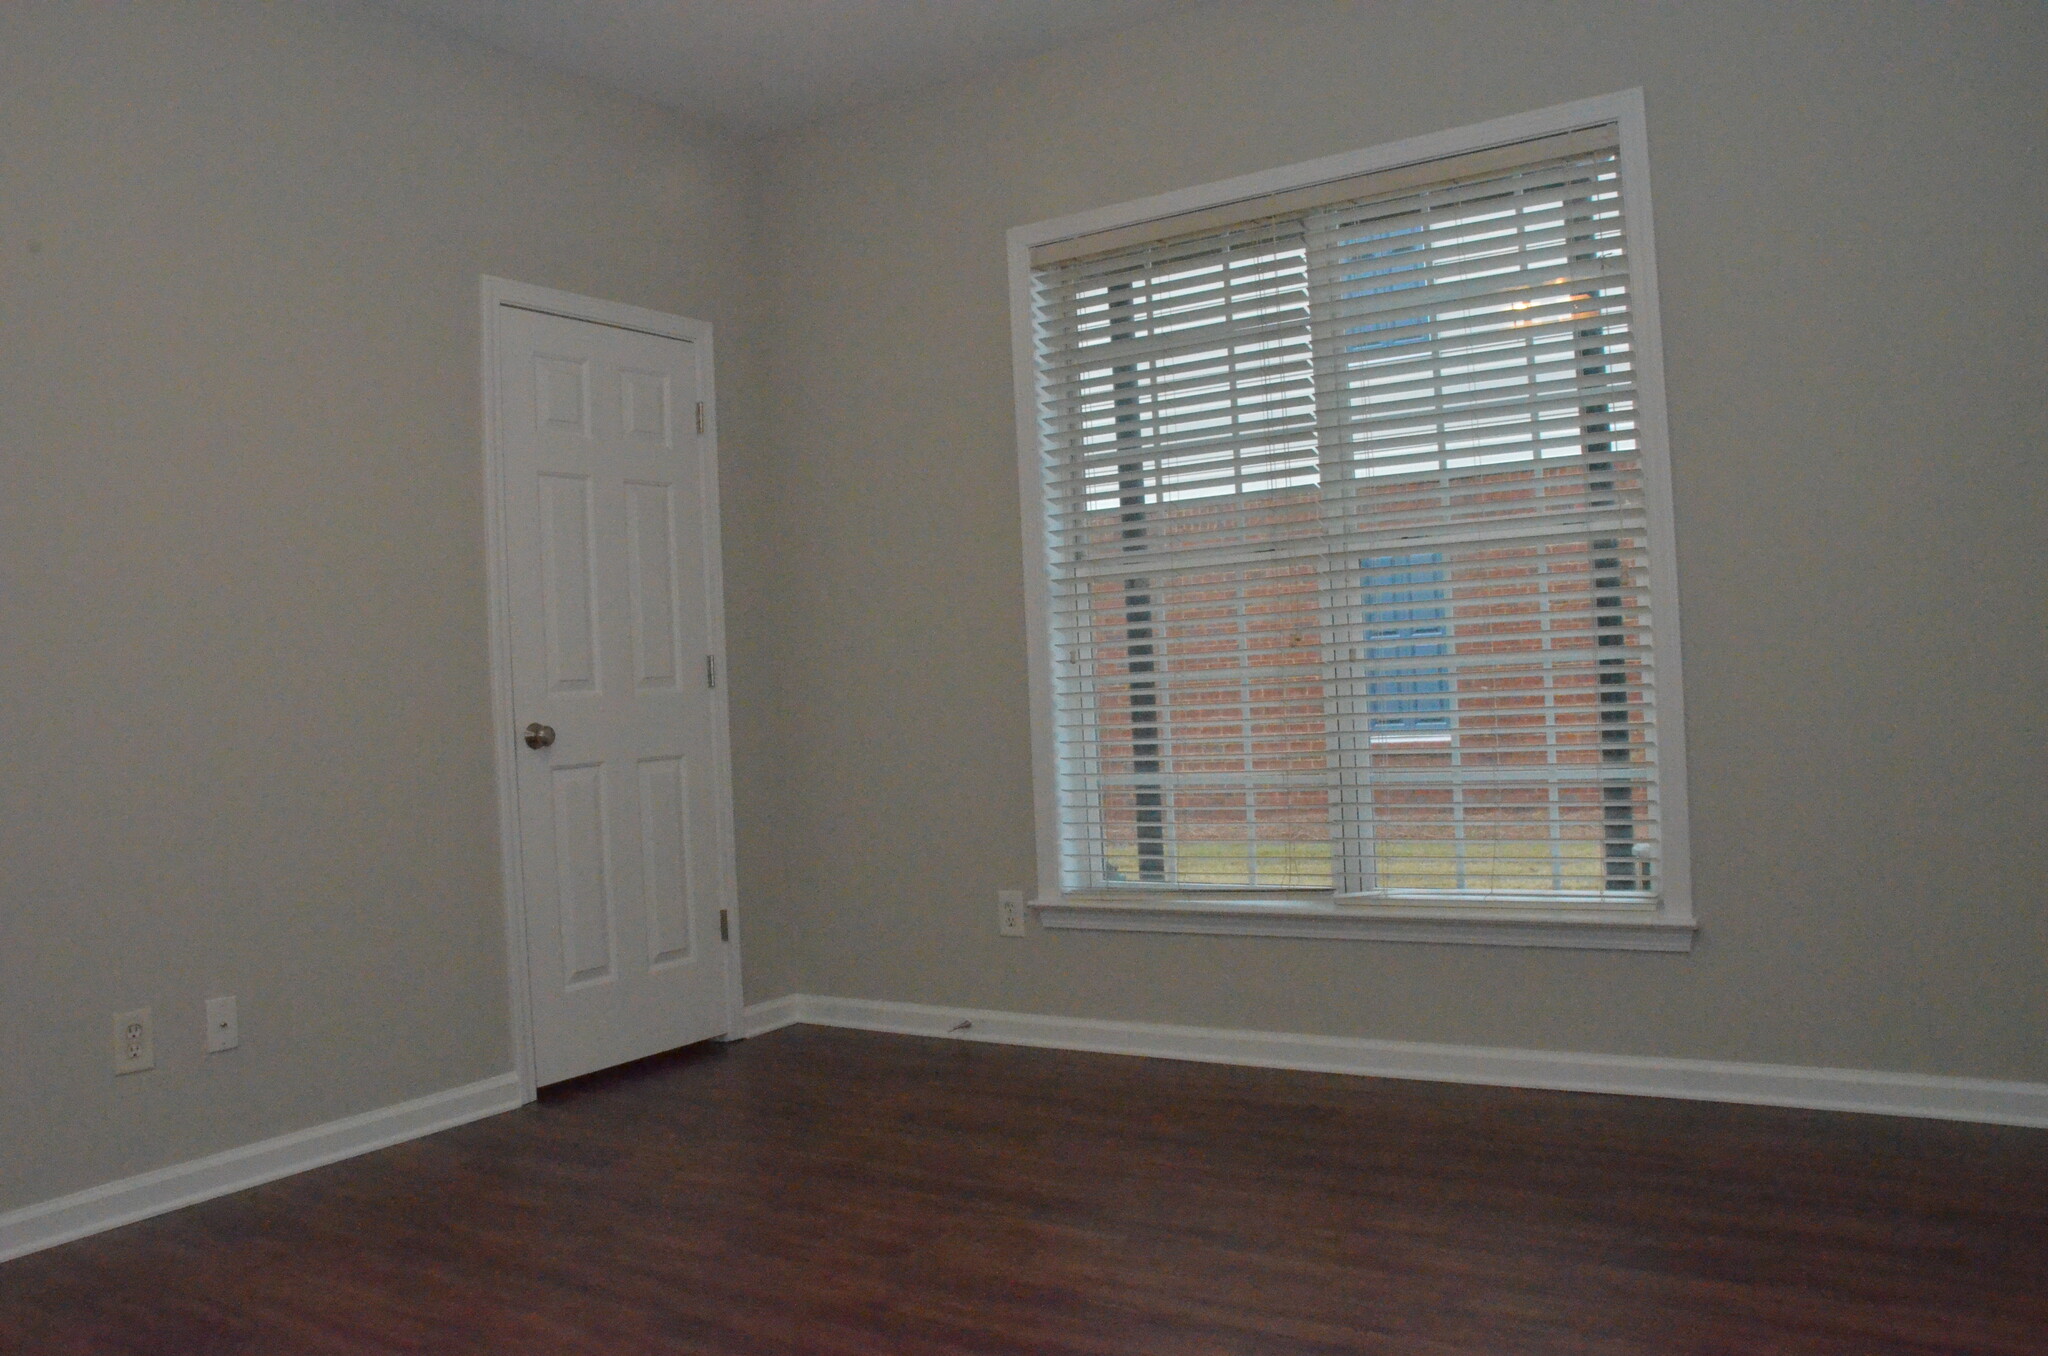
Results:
<point x="1178" y="408"/>
<point x="1493" y="674"/>
<point x="1347" y="538"/>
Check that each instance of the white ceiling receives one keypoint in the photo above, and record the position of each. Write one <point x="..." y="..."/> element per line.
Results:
<point x="755" y="66"/>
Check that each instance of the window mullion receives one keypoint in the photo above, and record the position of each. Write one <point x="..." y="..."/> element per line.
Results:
<point x="1353" y="869"/>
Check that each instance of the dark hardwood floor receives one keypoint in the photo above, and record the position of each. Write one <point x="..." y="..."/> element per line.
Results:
<point x="839" y="1192"/>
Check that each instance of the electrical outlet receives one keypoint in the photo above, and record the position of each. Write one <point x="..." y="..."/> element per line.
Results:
<point x="134" y="1051"/>
<point x="1010" y="912"/>
<point x="222" y="1031"/>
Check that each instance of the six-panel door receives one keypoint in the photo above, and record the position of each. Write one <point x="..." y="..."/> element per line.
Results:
<point x="607" y="577"/>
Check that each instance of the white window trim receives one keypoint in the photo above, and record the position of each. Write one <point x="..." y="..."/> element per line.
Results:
<point x="1668" y="924"/>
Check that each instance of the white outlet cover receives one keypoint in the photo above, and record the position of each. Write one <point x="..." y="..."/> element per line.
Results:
<point x="223" y="1030"/>
<point x="1010" y="912"/>
<point x="134" y="1047"/>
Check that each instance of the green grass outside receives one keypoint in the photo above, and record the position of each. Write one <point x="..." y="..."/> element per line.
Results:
<point x="1508" y="864"/>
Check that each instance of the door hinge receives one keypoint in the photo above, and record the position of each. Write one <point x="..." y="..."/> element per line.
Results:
<point x="724" y="926"/>
<point x="711" y="670"/>
<point x="700" y="419"/>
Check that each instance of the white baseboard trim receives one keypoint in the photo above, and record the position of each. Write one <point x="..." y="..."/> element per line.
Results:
<point x="1887" y="1094"/>
<point x="91" y="1211"/>
<point x="758" y="1019"/>
<point x="152" y="1193"/>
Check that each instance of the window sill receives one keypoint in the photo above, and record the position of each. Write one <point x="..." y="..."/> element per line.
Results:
<point x="1610" y="928"/>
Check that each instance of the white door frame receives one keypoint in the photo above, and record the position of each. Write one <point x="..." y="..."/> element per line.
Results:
<point x="498" y="293"/>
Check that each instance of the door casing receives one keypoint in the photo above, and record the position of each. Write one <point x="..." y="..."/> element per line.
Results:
<point x="497" y="294"/>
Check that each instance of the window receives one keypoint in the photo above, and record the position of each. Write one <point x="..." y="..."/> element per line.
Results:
<point x="1349" y="538"/>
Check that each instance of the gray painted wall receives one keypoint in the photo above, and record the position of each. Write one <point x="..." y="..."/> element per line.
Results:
<point x="241" y="580"/>
<point x="1849" y="207"/>
<point x="242" y="641"/>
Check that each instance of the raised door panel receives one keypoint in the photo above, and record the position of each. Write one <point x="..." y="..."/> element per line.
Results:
<point x="583" y="885"/>
<point x="652" y="571"/>
<point x="646" y="407"/>
<point x="562" y="394"/>
<point x="569" y="582"/>
<point x="665" y="858"/>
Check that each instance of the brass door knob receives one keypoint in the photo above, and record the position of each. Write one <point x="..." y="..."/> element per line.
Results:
<point x="539" y="736"/>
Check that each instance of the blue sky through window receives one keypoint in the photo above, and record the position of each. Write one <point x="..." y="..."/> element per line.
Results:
<point x="1406" y="618"/>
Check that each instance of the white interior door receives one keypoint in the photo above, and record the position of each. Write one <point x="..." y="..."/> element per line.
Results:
<point x="608" y="582"/>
